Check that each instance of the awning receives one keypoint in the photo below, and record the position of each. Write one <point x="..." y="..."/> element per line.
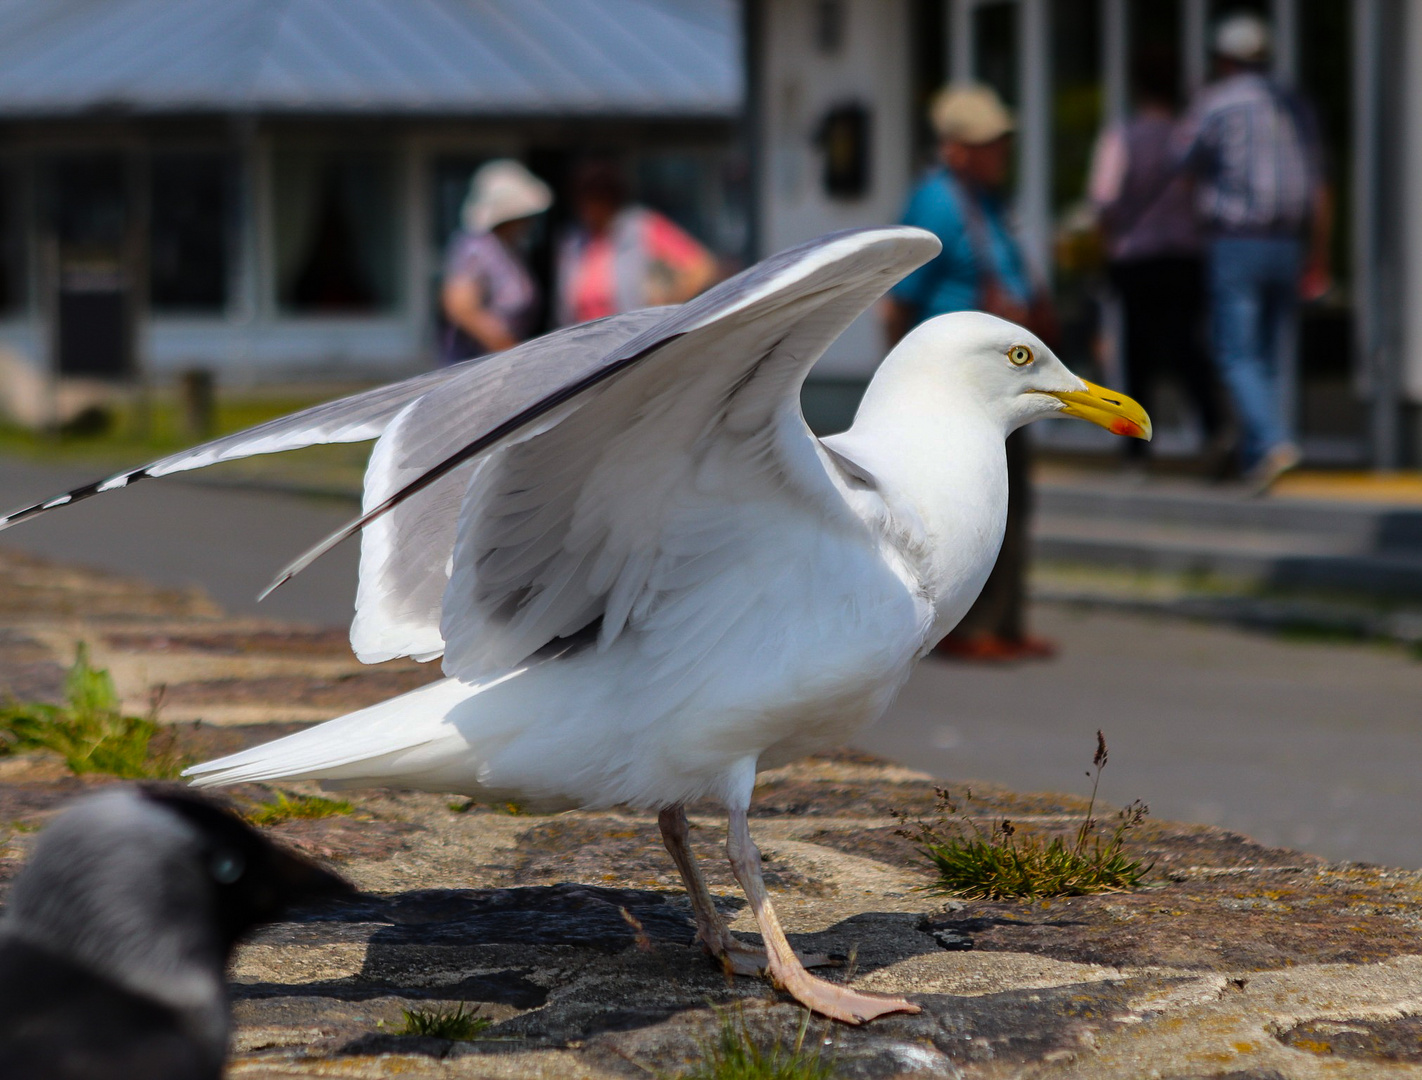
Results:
<point x="651" y="58"/>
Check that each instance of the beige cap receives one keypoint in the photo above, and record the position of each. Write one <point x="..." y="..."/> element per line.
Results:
<point x="1243" y="37"/>
<point x="970" y="113"/>
<point x="501" y="191"/>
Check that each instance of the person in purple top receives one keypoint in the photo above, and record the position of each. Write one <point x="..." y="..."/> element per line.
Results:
<point x="489" y="299"/>
<point x="1256" y="155"/>
<point x="1145" y="207"/>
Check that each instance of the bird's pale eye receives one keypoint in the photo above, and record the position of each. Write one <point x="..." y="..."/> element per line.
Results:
<point x="1020" y="355"/>
<point x="227" y="867"/>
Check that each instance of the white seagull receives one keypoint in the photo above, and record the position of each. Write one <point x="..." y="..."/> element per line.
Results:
<point x="647" y="579"/>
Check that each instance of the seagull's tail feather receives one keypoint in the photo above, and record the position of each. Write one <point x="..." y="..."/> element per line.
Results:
<point x="406" y="738"/>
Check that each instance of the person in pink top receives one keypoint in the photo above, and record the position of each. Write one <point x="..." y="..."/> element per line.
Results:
<point x="620" y="256"/>
<point x="1154" y="243"/>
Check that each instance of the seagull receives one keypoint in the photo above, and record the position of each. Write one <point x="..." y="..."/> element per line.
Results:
<point x="646" y="578"/>
<point x="118" y="931"/>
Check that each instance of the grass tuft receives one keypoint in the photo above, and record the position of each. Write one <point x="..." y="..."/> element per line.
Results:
<point x="735" y="1055"/>
<point x="295" y="807"/>
<point x="90" y="730"/>
<point x="459" y="1023"/>
<point x="1001" y="863"/>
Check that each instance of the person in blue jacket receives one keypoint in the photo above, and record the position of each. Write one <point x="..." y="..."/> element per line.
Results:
<point x="981" y="268"/>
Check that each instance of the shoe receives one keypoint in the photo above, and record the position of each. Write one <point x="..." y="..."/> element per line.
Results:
<point x="1278" y="460"/>
<point x="994" y="648"/>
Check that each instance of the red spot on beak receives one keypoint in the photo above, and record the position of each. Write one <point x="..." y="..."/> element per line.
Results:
<point x="1122" y="426"/>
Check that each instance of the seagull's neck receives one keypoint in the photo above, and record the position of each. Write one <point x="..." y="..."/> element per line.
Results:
<point x="941" y="468"/>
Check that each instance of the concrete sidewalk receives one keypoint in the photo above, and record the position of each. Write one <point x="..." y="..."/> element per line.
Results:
<point x="1350" y="533"/>
<point x="1293" y="742"/>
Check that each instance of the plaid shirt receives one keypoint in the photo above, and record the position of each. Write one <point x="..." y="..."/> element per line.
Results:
<point x="1255" y="150"/>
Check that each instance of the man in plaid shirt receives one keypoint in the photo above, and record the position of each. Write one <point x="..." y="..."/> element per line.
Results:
<point x="1255" y="151"/>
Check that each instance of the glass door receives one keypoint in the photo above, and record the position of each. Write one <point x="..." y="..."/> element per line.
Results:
<point x="90" y="227"/>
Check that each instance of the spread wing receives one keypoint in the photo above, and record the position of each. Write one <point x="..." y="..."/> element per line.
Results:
<point x="362" y="416"/>
<point x="615" y="498"/>
<point x="404" y="556"/>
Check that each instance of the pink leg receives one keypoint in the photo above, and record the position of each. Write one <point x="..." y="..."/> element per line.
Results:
<point x="711" y="929"/>
<point x="784" y="967"/>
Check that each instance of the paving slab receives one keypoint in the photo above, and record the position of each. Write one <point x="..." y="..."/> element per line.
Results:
<point x="571" y="934"/>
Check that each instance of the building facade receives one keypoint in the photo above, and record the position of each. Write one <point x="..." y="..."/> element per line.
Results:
<point x="264" y="188"/>
<point x="1062" y="64"/>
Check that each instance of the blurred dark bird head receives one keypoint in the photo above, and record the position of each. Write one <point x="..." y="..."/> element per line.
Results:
<point x="152" y="888"/>
<point x="116" y="935"/>
<point x="136" y="860"/>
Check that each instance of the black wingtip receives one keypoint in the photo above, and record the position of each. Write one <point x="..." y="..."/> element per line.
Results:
<point x="69" y="498"/>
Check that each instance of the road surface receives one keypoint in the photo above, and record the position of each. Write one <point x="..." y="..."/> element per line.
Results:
<point x="1311" y="745"/>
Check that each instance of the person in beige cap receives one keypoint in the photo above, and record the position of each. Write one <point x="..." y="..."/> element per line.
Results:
<point x="1266" y="207"/>
<point x="960" y="201"/>
<point x="981" y="268"/>
<point x="489" y="299"/>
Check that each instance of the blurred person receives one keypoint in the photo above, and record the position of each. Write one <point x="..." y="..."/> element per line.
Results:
<point x="1254" y="149"/>
<point x="489" y="298"/>
<point x="620" y="256"/>
<point x="118" y="931"/>
<point x="980" y="268"/>
<point x="1145" y="207"/>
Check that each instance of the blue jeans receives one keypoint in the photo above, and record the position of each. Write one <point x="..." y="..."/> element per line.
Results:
<point x="1254" y="300"/>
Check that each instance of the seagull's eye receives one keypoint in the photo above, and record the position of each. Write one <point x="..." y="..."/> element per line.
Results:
<point x="1020" y="355"/>
<point x="227" y="867"/>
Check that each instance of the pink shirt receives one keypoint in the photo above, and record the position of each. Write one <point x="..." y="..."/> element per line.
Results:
<point x="668" y="250"/>
<point x="595" y="282"/>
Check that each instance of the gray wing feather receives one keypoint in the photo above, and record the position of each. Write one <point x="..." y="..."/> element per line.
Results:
<point x="359" y="417"/>
<point x="448" y="438"/>
<point x="405" y="555"/>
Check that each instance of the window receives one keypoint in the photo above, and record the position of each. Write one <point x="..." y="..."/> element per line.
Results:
<point x="88" y="216"/>
<point x="189" y="232"/>
<point x="451" y="185"/>
<point x="14" y="291"/>
<point x="335" y="220"/>
<point x="87" y="201"/>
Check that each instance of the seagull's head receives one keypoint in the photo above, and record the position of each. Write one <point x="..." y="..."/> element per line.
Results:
<point x="1008" y="371"/>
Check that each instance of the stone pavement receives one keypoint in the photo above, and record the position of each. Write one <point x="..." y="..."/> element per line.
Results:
<point x="572" y="934"/>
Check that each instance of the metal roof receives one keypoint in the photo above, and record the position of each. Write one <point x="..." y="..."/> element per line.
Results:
<point x="488" y="57"/>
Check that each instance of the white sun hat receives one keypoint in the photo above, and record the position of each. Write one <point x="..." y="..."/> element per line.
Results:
<point x="970" y="113"/>
<point x="1242" y="37"/>
<point x="503" y="190"/>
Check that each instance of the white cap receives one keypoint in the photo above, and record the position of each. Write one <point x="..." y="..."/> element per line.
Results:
<point x="1242" y="37"/>
<point x="501" y="191"/>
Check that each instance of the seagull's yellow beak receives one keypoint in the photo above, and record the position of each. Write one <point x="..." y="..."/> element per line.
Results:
<point x="1115" y="412"/>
